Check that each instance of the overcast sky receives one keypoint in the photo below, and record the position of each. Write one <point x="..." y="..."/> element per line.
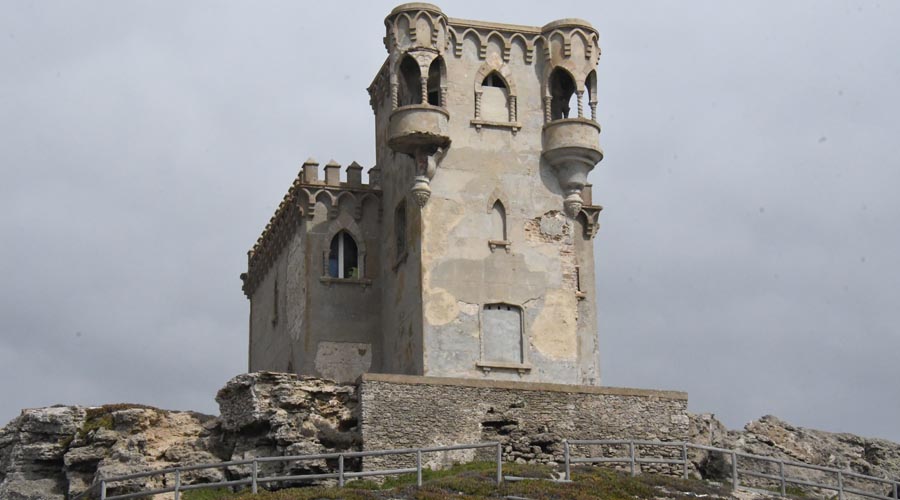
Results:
<point x="749" y="250"/>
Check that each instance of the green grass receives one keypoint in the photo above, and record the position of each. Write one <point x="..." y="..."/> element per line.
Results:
<point x="476" y="480"/>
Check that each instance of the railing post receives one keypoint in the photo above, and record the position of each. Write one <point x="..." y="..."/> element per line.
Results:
<point x="896" y="490"/>
<point x="684" y="463"/>
<point x="102" y="490"/>
<point x="341" y="470"/>
<point x="499" y="463"/>
<point x="566" y="450"/>
<point x="734" y="474"/>
<point x="631" y="453"/>
<point x="781" y="474"/>
<point x="177" y="484"/>
<point x="840" y="485"/>
<point x="254" y="475"/>
<point x="419" y="468"/>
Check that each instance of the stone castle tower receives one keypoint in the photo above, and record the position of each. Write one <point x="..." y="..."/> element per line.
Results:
<point x="469" y="251"/>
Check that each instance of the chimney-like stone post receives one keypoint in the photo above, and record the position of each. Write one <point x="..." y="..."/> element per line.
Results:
<point x="333" y="173"/>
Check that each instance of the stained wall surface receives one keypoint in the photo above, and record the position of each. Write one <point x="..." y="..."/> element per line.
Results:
<point x="530" y="420"/>
<point x="486" y="272"/>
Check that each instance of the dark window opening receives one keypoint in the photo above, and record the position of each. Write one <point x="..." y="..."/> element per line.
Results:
<point x="562" y="90"/>
<point x="434" y="82"/>
<point x="343" y="258"/>
<point x="410" y="91"/>
<point x="493" y="80"/>
<point x="498" y="222"/>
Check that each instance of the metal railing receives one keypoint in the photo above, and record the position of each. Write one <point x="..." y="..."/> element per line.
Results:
<point x="102" y="486"/>
<point x="634" y="460"/>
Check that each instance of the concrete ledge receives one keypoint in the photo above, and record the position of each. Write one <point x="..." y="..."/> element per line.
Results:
<point x="520" y="386"/>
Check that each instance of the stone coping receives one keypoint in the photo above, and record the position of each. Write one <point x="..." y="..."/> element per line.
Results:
<point x="521" y="386"/>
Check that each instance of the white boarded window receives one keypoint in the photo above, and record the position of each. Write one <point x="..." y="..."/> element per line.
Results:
<point x="495" y="99"/>
<point x="501" y="334"/>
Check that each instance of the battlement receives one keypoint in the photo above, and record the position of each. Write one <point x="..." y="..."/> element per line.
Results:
<point x="300" y="202"/>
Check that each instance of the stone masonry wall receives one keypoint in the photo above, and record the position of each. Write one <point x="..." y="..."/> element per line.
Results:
<point x="530" y="420"/>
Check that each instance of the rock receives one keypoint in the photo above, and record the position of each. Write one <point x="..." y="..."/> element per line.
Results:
<point x="772" y="437"/>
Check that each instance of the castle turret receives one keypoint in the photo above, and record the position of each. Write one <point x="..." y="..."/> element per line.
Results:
<point x="570" y="138"/>
<point x="469" y="252"/>
<point x="418" y="123"/>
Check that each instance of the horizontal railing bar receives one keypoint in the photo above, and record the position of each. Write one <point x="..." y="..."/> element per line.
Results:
<point x="808" y="483"/>
<point x="297" y="477"/>
<point x="389" y="472"/>
<point x="598" y="441"/>
<point x="188" y="468"/>
<point x="868" y="478"/>
<point x="637" y="442"/>
<point x="487" y="444"/>
<point x="298" y="458"/>
<point x="866" y="494"/>
<point x="759" y="474"/>
<point x="376" y="453"/>
<point x="220" y="484"/>
<point x="760" y="457"/>
<point x="658" y="461"/>
<point x="172" y="470"/>
<point x="599" y="460"/>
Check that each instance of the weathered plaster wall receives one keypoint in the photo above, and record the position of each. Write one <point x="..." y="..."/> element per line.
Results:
<point x="401" y="271"/>
<point x="342" y="323"/>
<point x="462" y="273"/>
<point x="321" y="326"/>
<point x="531" y="420"/>
<point x="271" y="312"/>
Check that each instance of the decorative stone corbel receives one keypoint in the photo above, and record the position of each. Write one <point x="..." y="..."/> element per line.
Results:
<point x="426" y="166"/>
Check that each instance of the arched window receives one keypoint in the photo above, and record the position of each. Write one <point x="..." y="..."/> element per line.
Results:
<point x="343" y="258"/>
<point x="495" y="98"/>
<point x="400" y="228"/>
<point x="498" y="222"/>
<point x="591" y="84"/>
<point x="410" y="91"/>
<point x="562" y="94"/>
<point x="435" y="79"/>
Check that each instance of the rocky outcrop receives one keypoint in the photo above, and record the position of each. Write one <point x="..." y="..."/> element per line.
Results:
<point x="771" y="437"/>
<point x="278" y="414"/>
<point x="47" y="453"/>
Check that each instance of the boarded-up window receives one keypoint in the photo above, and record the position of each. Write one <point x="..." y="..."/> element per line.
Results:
<point x="501" y="333"/>
<point x="495" y="99"/>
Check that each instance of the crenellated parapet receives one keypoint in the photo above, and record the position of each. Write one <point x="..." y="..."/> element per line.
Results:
<point x="300" y="203"/>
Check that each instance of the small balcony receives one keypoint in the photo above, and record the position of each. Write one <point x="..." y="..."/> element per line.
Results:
<point x="572" y="148"/>
<point x="421" y="128"/>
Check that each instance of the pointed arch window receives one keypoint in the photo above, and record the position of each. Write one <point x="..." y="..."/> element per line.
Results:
<point x="343" y="257"/>
<point x="498" y="235"/>
<point x="410" y="82"/>
<point x="495" y="99"/>
<point x="562" y="94"/>
<point x="436" y="83"/>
